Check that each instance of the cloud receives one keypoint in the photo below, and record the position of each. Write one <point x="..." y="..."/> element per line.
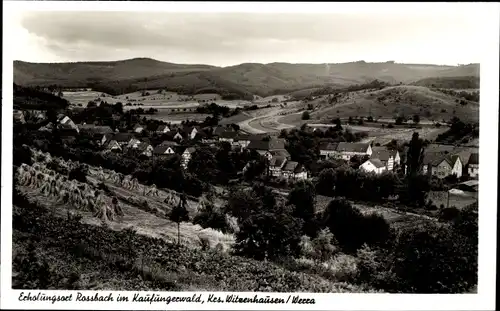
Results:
<point x="216" y="36"/>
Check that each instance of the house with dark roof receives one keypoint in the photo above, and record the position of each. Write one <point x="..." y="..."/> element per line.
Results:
<point x="265" y="147"/>
<point x="162" y="129"/>
<point x="441" y="166"/>
<point x="123" y="138"/>
<point x="275" y="165"/>
<point x="373" y="165"/>
<point x="112" y="146"/>
<point x="228" y="136"/>
<point x="245" y="139"/>
<point x="390" y="158"/>
<point x="145" y="149"/>
<point x="190" y="131"/>
<point x="348" y="150"/>
<point x="328" y="150"/>
<point x="473" y="165"/>
<point x="294" y="170"/>
<point x="162" y="150"/>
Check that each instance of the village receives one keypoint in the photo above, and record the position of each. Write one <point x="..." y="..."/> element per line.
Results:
<point x="439" y="161"/>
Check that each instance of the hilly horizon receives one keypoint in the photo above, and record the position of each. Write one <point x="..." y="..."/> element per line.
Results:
<point x="116" y="77"/>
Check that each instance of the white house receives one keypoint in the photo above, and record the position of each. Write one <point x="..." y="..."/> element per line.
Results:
<point x="442" y="166"/>
<point x="373" y="165"/>
<point x="390" y="158"/>
<point x="186" y="156"/>
<point x="276" y="165"/>
<point x="294" y="170"/>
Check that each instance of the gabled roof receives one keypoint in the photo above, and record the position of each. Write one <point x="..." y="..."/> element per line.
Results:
<point x="292" y="166"/>
<point x="328" y="146"/>
<point x="123" y="137"/>
<point x="161" y="128"/>
<point x="228" y="134"/>
<point x="190" y="149"/>
<point x="143" y="146"/>
<point x="474" y="158"/>
<point x="352" y="147"/>
<point x="270" y="145"/>
<point x="280" y="153"/>
<point x="161" y="149"/>
<point x="169" y="143"/>
<point x="277" y="161"/>
<point x="222" y="129"/>
<point x="376" y="162"/>
<point x="249" y="137"/>
<point x="382" y="153"/>
<point x="138" y="126"/>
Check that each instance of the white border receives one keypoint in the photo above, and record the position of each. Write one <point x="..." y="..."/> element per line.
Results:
<point x="484" y="300"/>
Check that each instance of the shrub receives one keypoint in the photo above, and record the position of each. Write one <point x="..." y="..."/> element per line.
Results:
<point x="305" y="115"/>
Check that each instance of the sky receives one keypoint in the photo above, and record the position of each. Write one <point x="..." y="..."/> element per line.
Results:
<point x="225" y="38"/>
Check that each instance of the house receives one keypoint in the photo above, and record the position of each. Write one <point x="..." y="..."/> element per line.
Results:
<point x="441" y="166"/>
<point x="186" y="156"/>
<point x="163" y="150"/>
<point x="145" y="149"/>
<point x="67" y="130"/>
<point x="373" y="165"/>
<point x="275" y="165"/>
<point x="294" y="170"/>
<point x="67" y="123"/>
<point x="19" y="116"/>
<point x="123" y="138"/>
<point x="191" y="131"/>
<point x="244" y="139"/>
<point x="178" y="136"/>
<point x="106" y="137"/>
<point x="265" y="147"/>
<point x="162" y="129"/>
<point x="133" y="143"/>
<point x="138" y="128"/>
<point x="228" y="136"/>
<point x="280" y="153"/>
<point x="473" y="165"/>
<point x="222" y="129"/>
<point x="113" y="146"/>
<point x="328" y="150"/>
<point x="347" y="150"/>
<point x="390" y="158"/>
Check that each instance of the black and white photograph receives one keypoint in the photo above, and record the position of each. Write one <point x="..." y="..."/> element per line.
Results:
<point x="234" y="151"/>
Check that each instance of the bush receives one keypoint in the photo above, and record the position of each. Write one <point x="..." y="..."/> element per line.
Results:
<point x="305" y="115"/>
<point x="210" y="216"/>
